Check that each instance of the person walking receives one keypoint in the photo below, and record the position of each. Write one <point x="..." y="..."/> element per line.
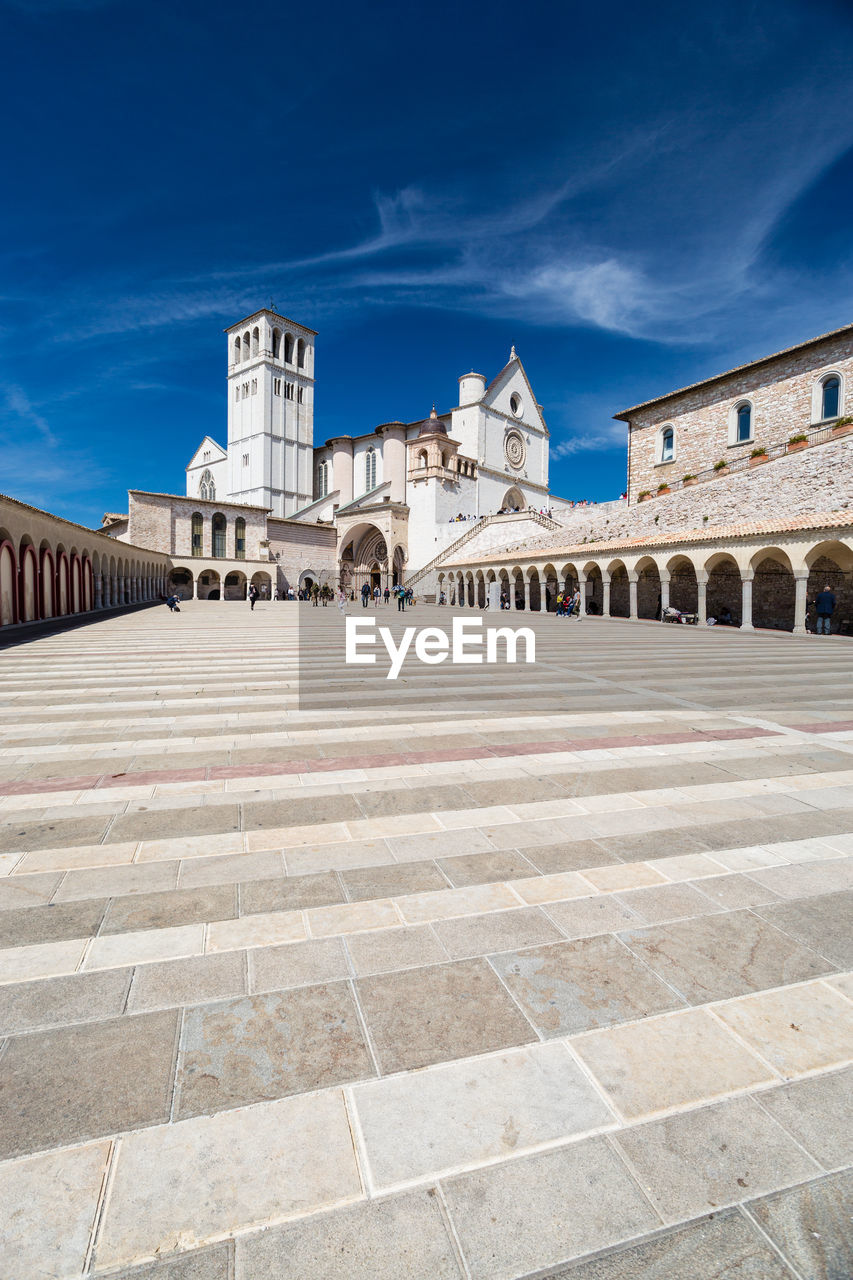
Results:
<point x="377" y="595"/>
<point x="342" y="600"/>
<point x="401" y="600"/>
<point x="387" y="594"/>
<point x="825" y="607"/>
<point x="253" y="595"/>
<point x="365" y="595"/>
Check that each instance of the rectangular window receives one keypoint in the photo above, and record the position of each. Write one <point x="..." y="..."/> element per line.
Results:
<point x="276" y="386"/>
<point x="301" y="395"/>
<point x="237" y="393"/>
<point x="245" y="459"/>
<point x="254" y="386"/>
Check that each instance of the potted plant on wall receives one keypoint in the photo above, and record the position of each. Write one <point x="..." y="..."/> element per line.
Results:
<point x="721" y="468"/>
<point x="689" y="479"/>
<point x="758" y="456"/>
<point x="643" y="494"/>
<point x="797" y="442"/>
<point x="663" y="487"/>
<point x="842" y="426"/>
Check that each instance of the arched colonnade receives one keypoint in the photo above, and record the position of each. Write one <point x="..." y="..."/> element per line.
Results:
<point x="53" y="577"/>
<point x="762" y="583"/>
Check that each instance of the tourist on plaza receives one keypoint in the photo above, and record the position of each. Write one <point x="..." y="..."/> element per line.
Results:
<point x="377" y="595"/>
<point x="173" y="602"/>
<point x="365" y="595"/>
<point x="253" y="595"/>
<point x="387" y="594"/>
<point x="574" y="608"/>
<point x="442" y="598"/>
<point x="342" y="601"/>
<point x="825" y="607"/>
<point x="401" y="599"/>
<point x="560" y="600"/>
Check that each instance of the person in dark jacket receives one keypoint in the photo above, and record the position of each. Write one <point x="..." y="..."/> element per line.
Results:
<point x="825" y="607"/>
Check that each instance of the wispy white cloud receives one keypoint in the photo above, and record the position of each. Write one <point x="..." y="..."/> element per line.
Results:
<point x="21" y="407"/>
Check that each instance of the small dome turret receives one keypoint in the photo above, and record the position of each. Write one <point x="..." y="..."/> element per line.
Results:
<point x="432" y="425"/>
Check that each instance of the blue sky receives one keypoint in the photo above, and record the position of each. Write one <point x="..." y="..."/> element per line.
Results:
<point x="635" y="195"/>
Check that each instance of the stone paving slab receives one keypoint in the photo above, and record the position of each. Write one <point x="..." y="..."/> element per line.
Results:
<point x="655" y="831"/>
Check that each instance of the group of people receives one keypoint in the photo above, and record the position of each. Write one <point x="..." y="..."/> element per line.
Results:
<point x="403" y="596"/>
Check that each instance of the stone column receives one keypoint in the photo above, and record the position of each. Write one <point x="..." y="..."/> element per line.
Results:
<point x="801" y="582"/>
<point x="98" y="600"/>
<point x="526" y="595"/>
<point x="543" y="595"/>
<point x="746" y="601"/>
<point x="702" y="603"/>
<point x="605" y="606"/>
<point x="394" y="458"/>
<point x="632" y="596"/>
<point x="664" y="593"/>
<point x="342" y="467"/>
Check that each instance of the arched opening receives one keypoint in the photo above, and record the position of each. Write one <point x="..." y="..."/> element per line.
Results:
<point x="535" y="589"/>
<point x="422" y="458"/>
<point x="594" y="589"/>
<point x="300" y="354"/>
<point x="62" y="585"/>
<point x="209" y="585"/>
<point x="247" y="345"/>
<point x="263" y="582"/>
<point x="47" y="577"/>
<point x="831" y="397"/>
<point x="180" y="583"/>
<point x="234" y="586"/>
<point x="8" y="581"/>
<point x="237" y="351"/>
<point x="481" y="590"/>
<point x="288" y="348"/>
<point x="830" y="565"/>
<point x="620" y="591"/>
<point x="276" y="343"/>
<point x="29" y="572"/>
<point x="667" y="445"/>
<point x="517" y="592"/>
<point x="370" y="469"/>
<point x="724" y="592"/>
<point x="219" y="528"/>
<point x="743" y="428"/>
<point x="239" y="538"/>
<point x="683" y="587"/>
<point x="206" y="488"/>
<point x="197" y="533"/>
<point x="513" y="500"/>
<point x="255" y="340"/>
<point x="648" y="589"/>
<point x="773" y="591"/>
<point x="551" y="585"/>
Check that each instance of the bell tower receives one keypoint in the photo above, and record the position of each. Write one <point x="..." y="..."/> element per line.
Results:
<point x="270" y="412"/>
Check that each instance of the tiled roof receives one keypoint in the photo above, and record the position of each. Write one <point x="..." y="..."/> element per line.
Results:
<point x="205" y="502"/>
<point x="625" y="414"/>
<point x="551" y="548"/>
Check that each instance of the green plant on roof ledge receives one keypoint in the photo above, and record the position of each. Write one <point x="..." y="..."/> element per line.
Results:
<point x="688" y="479"/>
<point x="663" y="487"/>
<point x="722" y="465"/>
<point x="760" y="452"/>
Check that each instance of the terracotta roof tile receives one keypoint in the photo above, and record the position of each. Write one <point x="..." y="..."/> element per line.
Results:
<point x="553" y="547"/>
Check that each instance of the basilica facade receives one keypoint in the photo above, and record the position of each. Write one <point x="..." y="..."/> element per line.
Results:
<point x="393" y="496"/>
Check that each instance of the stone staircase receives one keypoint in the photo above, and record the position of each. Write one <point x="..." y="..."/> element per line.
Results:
<point x="475" y="530"/>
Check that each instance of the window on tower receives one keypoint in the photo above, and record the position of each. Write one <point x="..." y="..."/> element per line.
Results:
<point x="300" y="395"/>
<point x="370" y="469"/>
<point x="276" y="386"/>
<point x="207" y="489"/>
<point x="245" y="459"/>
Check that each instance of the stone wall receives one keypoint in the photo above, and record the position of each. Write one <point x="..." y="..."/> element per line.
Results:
<point x="302" y="548"/>
<point x="817" y="479"/>
<point x="164" y="523"/>
<point x="784" y="397"/>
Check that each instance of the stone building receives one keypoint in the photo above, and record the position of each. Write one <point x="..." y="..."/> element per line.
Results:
<point x="218" y="549"/>
<point x="758" y="520"/>
<point x="721" y="422"/>
<point x="391" y="494"/>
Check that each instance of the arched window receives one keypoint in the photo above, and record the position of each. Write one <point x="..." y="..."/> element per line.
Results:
<point x="239" y="538"/>
<point x="288" y="348"/>
<point x="276" y="343"/>
<point x="219" y="536"/>
<point x="300" y="354"/>
<point x="831" y="397"/>
<point x="236" y="350"/>
<point x="744" y="423"/>
<point x="197" y="534"/>
<point x="322" y="480"/>
<point x="207" y="489"/>
<point x="370" y="469"/>
<point x="667" y="444"/>
<point x="256" y="337"/>
<point x="422" y="458"/>
<point x="247" y="345"/>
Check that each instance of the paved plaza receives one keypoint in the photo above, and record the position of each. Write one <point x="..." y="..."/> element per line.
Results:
<point x="487" y="972"/>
